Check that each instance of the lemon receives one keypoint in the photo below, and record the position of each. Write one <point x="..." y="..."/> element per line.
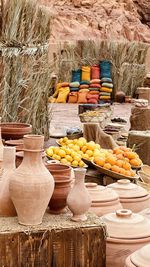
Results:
<point x="68" y="151"/>
<point x="96" y="153"/>
<point x="62" y="153"/>
<point x="65" y="139"/>
<point x="81" y="164"/>
<point x="97" y="146"/>
<point x="68" y="163"/>
<point x="49" y="152"/>
<point x="61" y="140"/>
<point x="80" y="143"/>
<point x="76" y="148"/>
<point x="71" y="145"/>
<point x="85" y="156"/>
<point x="63" y="161"/>
<point x="80" y="153"/>
<point x="73" y="154"/>
<point x="83" y="140"/>
<point x="56" y="150"/>
<point x="57" y="157"/>
<point x="89" y="153"/>
<point x="69" y="158"/>
<point x="75" y="141"/>
<point x="91" y="145"/>
<point x="77" y="158"/>
<point x="75" y="163"/>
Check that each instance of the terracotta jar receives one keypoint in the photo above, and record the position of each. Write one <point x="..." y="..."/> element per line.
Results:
<point x="1" y="149"/>
<point x="6" y="205"/>
<point x="20" y="155"/>
<point x="132" y="196"/>
<point x="58" y="169"/>
<point x="17" y="143"/>
<point x="120" y="97"/>
<point x="15" y="130"/>
<point x="140" y="258"/>
<point x="127" y="232"/>
<point x="79" y="200"/>
<point x="31" y="184"/>
<point x="104" y="200"/>
<point x="62" y="188"/>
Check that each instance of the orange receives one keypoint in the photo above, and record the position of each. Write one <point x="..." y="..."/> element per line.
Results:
<point x="111" y="159"/>
<point x="122" y="171"/>
<point x="126" y="166"/>
<point x="84" y="148"/>
<point x="131" y="155"/>
<point x="135" y="162"/>
<point x="107" y="166"/>
<point x="117" y="151"/>
<point x="115" y="168"/>
<point x="119" y="163"/>
<point x="100" y="162"/>
<point x="119" y="156"/>
<point x="127" y="173"/>
<point x="124" y="148"/>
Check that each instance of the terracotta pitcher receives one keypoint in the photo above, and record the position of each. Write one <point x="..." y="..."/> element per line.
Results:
<point x="79" y="200"/>
<point x="140" y="258"/>
<point x="6" y="205"/>
<point x="127" y="232"/>
<point x="31" y="184"/>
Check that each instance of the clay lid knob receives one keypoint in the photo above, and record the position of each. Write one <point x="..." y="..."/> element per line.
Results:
<point x="123" y="213"/>
<point x="91" y="185"/>
<point x="123" y="181"/>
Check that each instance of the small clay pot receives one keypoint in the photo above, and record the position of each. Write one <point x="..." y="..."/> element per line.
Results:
<point x="120" y="97"/>
<point x="15" y="130"/>
<point x="20" y="156"/>
<point x="59" y="169"/>
<point x="62" y="188"/>
<point x="17" y="143"/>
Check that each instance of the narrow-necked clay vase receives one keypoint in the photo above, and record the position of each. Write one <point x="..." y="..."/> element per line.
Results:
<point x="132" y="196"/>
<point x="58" y="200"/>
<point x="1" y="149"/>
<point x="31" y="184"/>
<point x="6" y="205"/>
<point x="140" y="258"/>
<point x="127" y="232"/>
<point x="79" y="200"/>
<point x="104" y="200"/>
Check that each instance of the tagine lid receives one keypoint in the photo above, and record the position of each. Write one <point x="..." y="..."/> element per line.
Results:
<point x="101" y="193"/>
<point x="141" y="257"/>
<point x="123" y="224"/>
<point x="126" y="189"/>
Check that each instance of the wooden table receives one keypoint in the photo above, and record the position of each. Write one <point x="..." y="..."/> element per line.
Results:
<point x="57" y="242"/>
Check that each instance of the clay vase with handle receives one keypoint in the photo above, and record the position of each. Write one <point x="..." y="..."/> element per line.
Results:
<point x="6" y="205"/>
<point x="31" y="184"/>
<point x="79" y="200"/>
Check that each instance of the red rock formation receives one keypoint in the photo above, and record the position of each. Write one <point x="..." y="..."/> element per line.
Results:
<point x="111" y="19"/>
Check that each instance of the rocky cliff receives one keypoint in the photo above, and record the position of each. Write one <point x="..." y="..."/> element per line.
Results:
<point x="111" y="19"/>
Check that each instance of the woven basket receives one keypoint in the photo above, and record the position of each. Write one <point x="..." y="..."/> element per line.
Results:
<point x="74" y="136"/>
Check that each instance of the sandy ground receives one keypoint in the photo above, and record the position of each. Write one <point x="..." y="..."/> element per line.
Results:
<point x="66" y="115"/>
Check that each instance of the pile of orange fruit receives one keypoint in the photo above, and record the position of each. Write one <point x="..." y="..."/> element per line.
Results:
<point x="120" y="160"/>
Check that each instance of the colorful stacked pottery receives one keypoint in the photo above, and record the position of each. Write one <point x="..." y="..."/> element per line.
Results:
<point x="132" y="196"/>
<point x="106" y="89"/>
<point x="104" y="200"/>
<point x="31" y="184"/>
<point x="127" y="232"/>
<point x="139" y="258"/>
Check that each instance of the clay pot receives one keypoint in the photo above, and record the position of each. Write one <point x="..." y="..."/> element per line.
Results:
<point x="104" y="200"/>
<point x="120" y="97"/>
<point x="1" y="150"/>
<point x="57" y="169"/>
<point x="15" y="130"/>
<point x="6" y="205"/>
<point x="79" y="200"/>
<point x="132" y="196"/>
<point x="140" y="258"/>
<point x="127" y="232"/>
<point x="20" y="155"/>
<point x="17" y="143"/>
<point x="128" y="99"/>
<point x="31" y="184"/>
<point x="62" y="188"/>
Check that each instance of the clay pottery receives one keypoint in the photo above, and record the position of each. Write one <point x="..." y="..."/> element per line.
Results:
<point x="120" y="97"/>
<point x="104" y="200"/>
<point x="132" y="196"/>
<point x="20" y="155"/>
<point x="127" y="232"/>
<point x="17" y="143"/>
<point x="128" y="99"/>
<point x="59" y="169"/>
<point x="15" y="130"/>
<point x="79" y="200"/>
<point x="146" y="169"/>
<point x="31" y="184"/>
<point x="62" y="188"/>
<point x="1" y="149"/>
<point x="6" y="205"/>
<point x="140" y="258"/>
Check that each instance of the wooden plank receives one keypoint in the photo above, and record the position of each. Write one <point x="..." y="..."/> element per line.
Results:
<point x="9" y="245"/>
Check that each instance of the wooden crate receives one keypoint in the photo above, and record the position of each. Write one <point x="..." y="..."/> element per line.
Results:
<point x="58" y="242"/>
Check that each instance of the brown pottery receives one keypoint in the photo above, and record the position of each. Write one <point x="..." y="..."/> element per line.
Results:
<point x="31" y="184"/>
<point x="59" y="169"/>
<point x="140" y="258"/>
<point x="79" y="200"/>
<point x="127" y="232"/>
<point x="132" y="196"/>
<point x="17" y="143"/>
<point x="15" y="130"/>
<point x="62" y="188"/>
<point x="104" y="200"/>
<point x="6" y="205"/>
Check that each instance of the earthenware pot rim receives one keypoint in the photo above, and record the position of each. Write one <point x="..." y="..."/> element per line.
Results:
<point x="141" y="257"/>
